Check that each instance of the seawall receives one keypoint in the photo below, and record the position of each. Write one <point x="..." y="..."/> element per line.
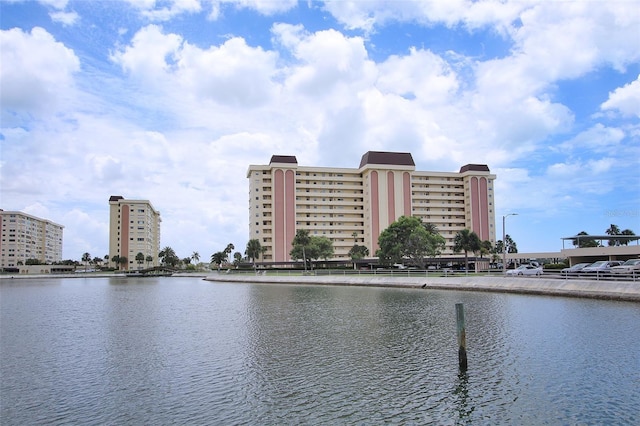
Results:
<point x="602" y="289"/>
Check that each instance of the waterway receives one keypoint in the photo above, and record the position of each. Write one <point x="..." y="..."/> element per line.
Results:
<point x="187" y="351"/>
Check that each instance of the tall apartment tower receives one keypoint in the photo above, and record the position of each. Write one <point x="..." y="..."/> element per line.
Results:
<point x="28" y="237"/>
<point x="355" y="205"/>
<point x="134" y="227"/>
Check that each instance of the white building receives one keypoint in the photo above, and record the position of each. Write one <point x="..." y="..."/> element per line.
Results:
<point x="28" y="237"/>
<point x="354" y="205"/>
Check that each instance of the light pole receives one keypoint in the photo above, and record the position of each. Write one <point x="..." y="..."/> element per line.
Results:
<point x="504" y="243"/>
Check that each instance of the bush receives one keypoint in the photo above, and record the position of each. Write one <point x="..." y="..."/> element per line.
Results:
<point x="555" y="266"/>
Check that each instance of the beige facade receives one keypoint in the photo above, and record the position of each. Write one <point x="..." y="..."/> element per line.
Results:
<point x="134" y="227"/>
<point x="352" y="206"/>
<point x="28" y="237"/>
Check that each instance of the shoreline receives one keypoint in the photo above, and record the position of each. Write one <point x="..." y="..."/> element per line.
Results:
<point x="628" y="291"/>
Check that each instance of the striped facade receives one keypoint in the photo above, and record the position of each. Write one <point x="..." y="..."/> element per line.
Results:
<point x="353" y="206"/>
<point x="26" y="237"/>
<point x="134" y="227"/>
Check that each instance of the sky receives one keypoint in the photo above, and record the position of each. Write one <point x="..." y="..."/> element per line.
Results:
<point x="171" y="101"/>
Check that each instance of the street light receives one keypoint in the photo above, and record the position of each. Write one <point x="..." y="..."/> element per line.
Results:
<point x="504" y="243"/>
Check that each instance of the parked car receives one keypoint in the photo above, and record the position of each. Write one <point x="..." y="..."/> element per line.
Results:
<point x="526" y="270"/>
<point x="601" y="266"/>
<point x="628" y="267"/>
<point x="575" y="268"/>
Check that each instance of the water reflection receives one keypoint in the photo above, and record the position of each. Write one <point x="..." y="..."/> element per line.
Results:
<point x="184" y="351"/>
<point x="463" y="406"/>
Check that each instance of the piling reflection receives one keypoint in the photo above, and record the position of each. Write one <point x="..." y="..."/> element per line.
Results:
<point x="464" y="407"/>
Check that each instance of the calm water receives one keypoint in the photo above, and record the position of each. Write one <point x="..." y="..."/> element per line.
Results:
<point x="186" y="351"/>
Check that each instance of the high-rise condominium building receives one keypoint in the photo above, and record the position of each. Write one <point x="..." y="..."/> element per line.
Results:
<point x="28" y="237"/>
<point x="352" y="206"/>
<point x="134" y="227"/>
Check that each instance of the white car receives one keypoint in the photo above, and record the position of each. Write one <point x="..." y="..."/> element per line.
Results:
<point x="526" y="270"/>
<point x="628" y="267"/>
<point x="601" y="266"/>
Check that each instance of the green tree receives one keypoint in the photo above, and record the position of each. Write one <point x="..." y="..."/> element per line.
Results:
<point x="97" y="261"/>
<point x="613" y="230"/>
<point x="584" y="242"/>
<point x="409" y="238"/>
<point x="218" y="258"/>
<point x="237" y="259"/>
<point x="33" y="261"/>
<point x="116" y="261"/>
<point x="195" y="256"/>
<point x="358" y="252"/>
<point x="253" y="251"/>
<point x="106" y="260"/>
<point x="148" y="259"/>
<point x="627" y="232"/>
<point x="466" y="241"/>
<point x="512" y="247"/>
<point x="140" y="259"/>
<point x="321" y="248"/>
<point x="123" y="262"/>
<point x="300" y="244"/>
<point x="168" y="257"/>
<point x="227" y="251"/>
<point x="86" y="258"/>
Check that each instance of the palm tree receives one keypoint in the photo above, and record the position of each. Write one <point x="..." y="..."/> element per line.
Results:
<point x="148" y="259"/>
<point x="140" y="259"/>
<point x="253" y="250"/>
<point x="116" y="260"/>
<point x="86" y="258"/>
<point x="613" y="230"/>
<point x="227" y="251"/>
<point x="466" y="241"/>
<point x="628" y="232"/>
<point x="237" y="258"/>
<point x="168" y="257"/>
<point x="195" y="256"/>
<point x="106" y="259"/>
<point x="123" y="261"/>
<point x="218" y="258"/>
<point x="97" y="261"/>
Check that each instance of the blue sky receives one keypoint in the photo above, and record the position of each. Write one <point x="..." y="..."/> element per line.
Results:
<point x="171" y="101"/>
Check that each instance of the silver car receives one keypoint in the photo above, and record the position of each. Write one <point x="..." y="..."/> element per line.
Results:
<point x="575" y="268"/>
<point x="628" y="267"/>
<point x="601" y="266"/>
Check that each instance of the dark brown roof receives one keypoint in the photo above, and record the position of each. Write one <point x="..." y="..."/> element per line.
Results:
<point x="287" y="159"/>
<point x="116" y="198"/>
<point x="474" y="168"/>
<point x="391" y="158"/>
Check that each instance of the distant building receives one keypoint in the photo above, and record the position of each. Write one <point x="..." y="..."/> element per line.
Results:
<point x="353" y="206"/>
<point x="134" y="227"/>
<point x="28" y="237"/>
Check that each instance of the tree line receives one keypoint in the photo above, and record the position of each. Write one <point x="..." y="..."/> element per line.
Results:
<point x="613" y="231"/>
<point x="408" y="240"/>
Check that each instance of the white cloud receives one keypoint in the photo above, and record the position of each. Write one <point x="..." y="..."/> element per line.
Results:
<point x="625" y="99"/>
<point x="598" y="138"/>
<point x="264" y="7"/>
<point x="147" y="57"/>
<point x="65" y="18"/>
<point x="473" y="14"/>
<point x="37" y="71"/>
<point x="232" y="74"/>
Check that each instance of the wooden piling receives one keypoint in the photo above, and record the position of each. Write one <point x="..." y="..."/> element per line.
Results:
<point x="462" y="337"/>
